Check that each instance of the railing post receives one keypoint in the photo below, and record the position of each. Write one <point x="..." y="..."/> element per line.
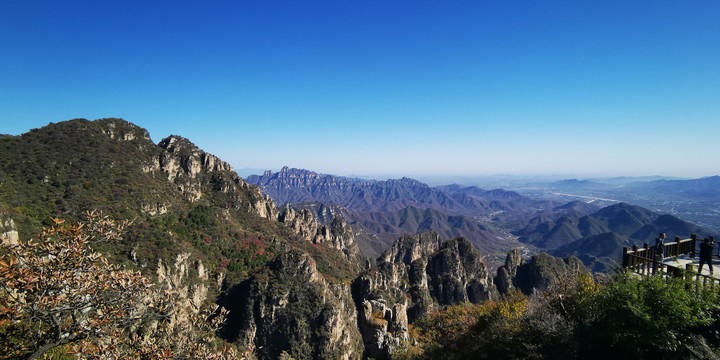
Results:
<point x="625" y="257"/>
<point x="693" y="240"/>
<point x="646" y="265"/>
<point x="654" y="264"/>
<point x="677" y="246"/>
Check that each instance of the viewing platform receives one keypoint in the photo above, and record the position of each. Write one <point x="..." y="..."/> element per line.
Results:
<point x="680" y="260"/>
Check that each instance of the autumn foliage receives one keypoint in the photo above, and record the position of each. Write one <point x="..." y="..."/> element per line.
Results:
<point x="58" y="295"/>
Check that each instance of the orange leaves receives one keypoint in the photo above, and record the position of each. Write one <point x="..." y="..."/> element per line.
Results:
<point x="57" y="287"/>
<point x="4" y="264"/>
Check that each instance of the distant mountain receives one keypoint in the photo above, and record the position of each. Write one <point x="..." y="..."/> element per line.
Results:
<point x="575" y="184"/>
<point x="576" y="208"/>
<point x="473" y="197"/>
<point x="385" y="209"/>
<point x="599" y="237"/>
<point x="297" y="186"/>
<point x="624" y="219"/>
<point x="707" y="188"/>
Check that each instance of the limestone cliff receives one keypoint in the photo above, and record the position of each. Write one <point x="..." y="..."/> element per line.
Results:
<point x="507" y="272"/>
<point x="290" y="307"/>
<point x="457" y="274"/>
<point x="337" y="234"/>
<point x="385" y="328"/>
<point x="188" y="289"/>
<point x="8" y="231"/>
<point x="197" y="175"/>
<point x="418" y="273"/>
<point x="412" y="247"/>
<point x="535" y="274"/>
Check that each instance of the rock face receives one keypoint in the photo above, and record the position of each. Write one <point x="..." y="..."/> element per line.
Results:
<point x="337" y="234"/>
<point x="189" y="292"/>
<point x="183" y="162"/>
<point x="457" y="274"/>
<point x="536" y="274"/>
<point x="196" y="173"/>
<point x="386" y="328"/>
<point x="412" y="247"/>
<point x="8" y="231"/>
<point x="507" y="272"/>
<point x="291" y="307"/>
<point x="418" y="273"/>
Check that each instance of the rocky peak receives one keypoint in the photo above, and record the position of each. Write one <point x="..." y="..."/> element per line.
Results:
<point x="301" y="222"/>
<point x="457" y="274"/>
<point x="186" y="159"/>
<point x="290" y="307"/>
<point x="337" y="234"/>
<point x="506" y="273"/>
<point x="384" y="328"/>
<point x="194" y="171"/>
<point x="543" y="269"/>
<point x="121" y="130"/>
<point x="412" y="247"/>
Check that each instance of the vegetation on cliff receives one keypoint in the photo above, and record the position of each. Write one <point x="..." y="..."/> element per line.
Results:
<point x="58" y="296"/>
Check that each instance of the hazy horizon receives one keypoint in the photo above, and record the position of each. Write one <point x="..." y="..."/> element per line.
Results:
<point x="439" y="179"/>
<point x="409" y="88"/>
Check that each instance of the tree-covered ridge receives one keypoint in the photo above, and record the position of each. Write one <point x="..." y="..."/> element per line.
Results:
<point x="192" y="223"/>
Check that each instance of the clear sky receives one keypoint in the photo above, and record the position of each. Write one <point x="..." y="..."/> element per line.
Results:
<point x="383" y="87"/>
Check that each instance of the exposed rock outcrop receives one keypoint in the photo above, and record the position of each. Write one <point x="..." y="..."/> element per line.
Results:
<point x="456" y="274"/>
<point x="290" y="307"/>
<point x="418" y="273"/>
<point x="198" y="175"/>
<point x="8" y="231"/>
<point x="384" y="328"/>
<point x="536" y="274"/>
<point x="507" y="272"/>
<point x="121" y="130"/>
<point x="189" y="290"/>
<point x="412" y="247"/>
<point x="337" y="234"/>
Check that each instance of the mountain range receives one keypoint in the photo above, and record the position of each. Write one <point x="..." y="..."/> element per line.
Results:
<point x="307" y="265"/>
<point x="493" y="220"/>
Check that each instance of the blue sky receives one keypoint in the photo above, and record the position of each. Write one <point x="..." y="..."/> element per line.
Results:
<point x="383" y="87"/>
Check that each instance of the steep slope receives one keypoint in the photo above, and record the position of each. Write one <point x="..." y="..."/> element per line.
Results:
<point x="194" y="221"/>
<point x="417" y="274"/>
